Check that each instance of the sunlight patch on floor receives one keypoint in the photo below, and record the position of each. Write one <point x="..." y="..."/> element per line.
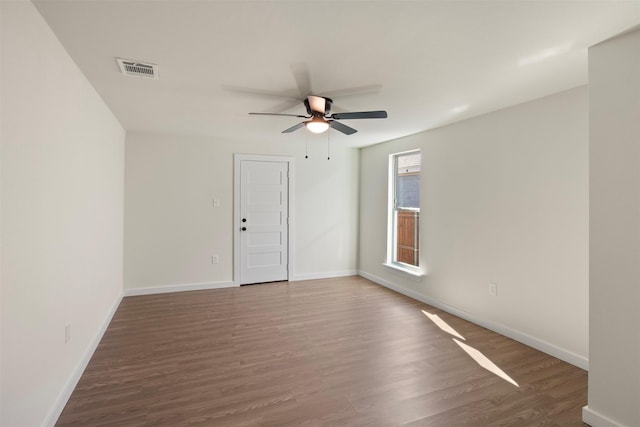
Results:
<point x="483" y="361"/>
<point x="442" y="324"/>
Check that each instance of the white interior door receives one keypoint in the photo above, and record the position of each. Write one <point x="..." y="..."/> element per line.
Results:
<point x="263" y="220"/>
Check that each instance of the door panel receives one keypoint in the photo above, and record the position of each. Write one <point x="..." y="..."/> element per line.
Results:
<point x="264" y="190"/>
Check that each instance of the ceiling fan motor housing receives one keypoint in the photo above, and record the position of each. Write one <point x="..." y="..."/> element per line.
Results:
<point x="327" y="107"/>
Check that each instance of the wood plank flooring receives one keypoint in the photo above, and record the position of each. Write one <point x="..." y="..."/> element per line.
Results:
<point x="333" y="352"/>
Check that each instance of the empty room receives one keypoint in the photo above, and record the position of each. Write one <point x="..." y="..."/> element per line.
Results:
<point x="304" y="213"/>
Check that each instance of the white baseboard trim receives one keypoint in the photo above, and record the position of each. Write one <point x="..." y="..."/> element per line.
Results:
<point x="328" y="275"/>
<point x="178" y="288"/>
<point x="595" y="419"/>
<point x="560" y="353"/>
<point x="68" y="388"/>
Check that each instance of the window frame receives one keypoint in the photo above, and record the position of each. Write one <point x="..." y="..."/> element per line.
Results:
<point x="392" y="237"/>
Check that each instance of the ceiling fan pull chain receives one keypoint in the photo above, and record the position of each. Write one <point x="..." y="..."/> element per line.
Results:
<point x="306" y="145"/>
<point x="328" y="145"/>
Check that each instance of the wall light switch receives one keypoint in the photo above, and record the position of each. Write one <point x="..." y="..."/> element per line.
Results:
<point x="216" y="202"/>
<point x="67" y="333"/>
<point x="214" y="259"/>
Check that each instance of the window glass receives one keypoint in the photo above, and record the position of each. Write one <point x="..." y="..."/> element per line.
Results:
<point x="405" y="209"/>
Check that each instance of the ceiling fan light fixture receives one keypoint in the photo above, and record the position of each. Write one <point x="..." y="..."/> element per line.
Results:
<point x="317" y="125"/>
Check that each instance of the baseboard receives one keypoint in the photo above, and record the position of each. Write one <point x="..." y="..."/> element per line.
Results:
<point x="178" y="288"/>
<point x="328" y="275"/>
<point x="68" y="388"/>
<point x="594" y="419"/>
<point x="560" y="353"/>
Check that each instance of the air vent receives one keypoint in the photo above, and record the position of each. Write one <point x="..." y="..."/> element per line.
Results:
<point x="135" y="68"/>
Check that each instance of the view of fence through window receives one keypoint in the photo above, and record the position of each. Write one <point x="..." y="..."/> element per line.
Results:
<point x="407" y="208"/>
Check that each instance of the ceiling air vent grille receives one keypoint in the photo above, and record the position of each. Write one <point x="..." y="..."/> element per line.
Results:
<point x="135" y="68"/>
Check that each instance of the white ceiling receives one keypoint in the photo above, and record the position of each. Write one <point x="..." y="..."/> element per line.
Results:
<point x="219" y="60"/>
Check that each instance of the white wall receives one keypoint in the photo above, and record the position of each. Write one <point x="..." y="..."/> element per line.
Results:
<point x="614" y="94"/>
<point x="172" y="228"/>
<point x="62" y="218"/>
<point x="505" y="200"/>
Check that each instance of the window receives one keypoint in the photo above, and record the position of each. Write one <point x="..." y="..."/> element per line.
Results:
<point x="403" y="250"/>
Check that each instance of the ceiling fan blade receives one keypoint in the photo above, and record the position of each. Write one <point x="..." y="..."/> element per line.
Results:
<point x="342" y="128"/>
<point x="317" y="103"/>
<point x="293" y="128"/>
<point x="303" y="78"/>
<point x="262" y="93"/>
<point x="285" y="106"/>
<point x="360" y="115"/>
<point x="350" y="91"/>
<point x="279" y="114"/>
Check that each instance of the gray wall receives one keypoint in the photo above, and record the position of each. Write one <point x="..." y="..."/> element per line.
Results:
<point x="62" y="218"/>
<point x="614" y="94"/>
<point x="504" y="199"/>
<point x="172" y="228"/>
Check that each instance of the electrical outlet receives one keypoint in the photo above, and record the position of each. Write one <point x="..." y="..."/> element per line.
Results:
<point x="214" y="259"/>
<point x="67" y="333"/>
<point x="493" y="289"/>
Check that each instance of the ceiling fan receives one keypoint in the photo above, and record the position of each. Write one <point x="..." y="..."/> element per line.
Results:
<point x="319" y="117"/>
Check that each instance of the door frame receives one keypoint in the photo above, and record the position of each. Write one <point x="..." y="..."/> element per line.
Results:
<point x="237" y="159"/>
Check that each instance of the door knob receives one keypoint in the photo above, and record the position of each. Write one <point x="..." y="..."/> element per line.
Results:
<point x="244" y="228"/>
<point x="244" y="219"/>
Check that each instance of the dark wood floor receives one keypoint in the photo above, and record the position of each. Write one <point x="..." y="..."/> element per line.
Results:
<point x="336" y="352"/>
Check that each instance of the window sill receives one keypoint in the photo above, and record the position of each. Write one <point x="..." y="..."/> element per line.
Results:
<point x="415" y="272"/>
